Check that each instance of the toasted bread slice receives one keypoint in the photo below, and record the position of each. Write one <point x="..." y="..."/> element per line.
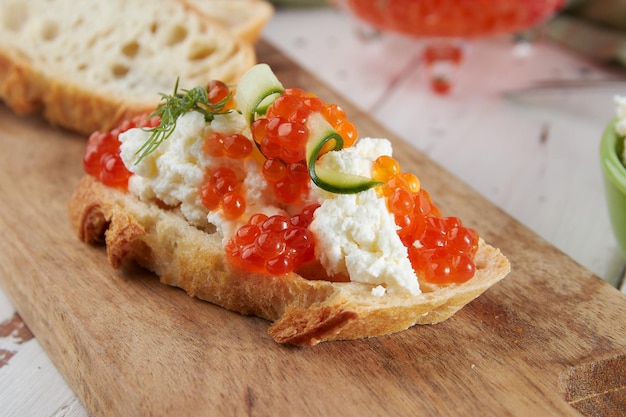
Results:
<point x="89" y="65"/>
<point x="302" y="312"/>
<point x="245" y="18"/>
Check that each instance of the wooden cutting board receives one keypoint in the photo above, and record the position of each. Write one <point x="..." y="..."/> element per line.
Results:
<point x="550" y="336"/>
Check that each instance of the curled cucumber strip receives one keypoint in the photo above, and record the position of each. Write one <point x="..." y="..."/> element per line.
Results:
<point x="322" y="133"/>
<point x="256" y="90"/>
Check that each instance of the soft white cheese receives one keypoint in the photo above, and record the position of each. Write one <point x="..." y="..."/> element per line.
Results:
<point x="174" y="172"/>
<point x="379" y="291"/>
<point x="355" y="233"/>
<point x="359" y="158"/>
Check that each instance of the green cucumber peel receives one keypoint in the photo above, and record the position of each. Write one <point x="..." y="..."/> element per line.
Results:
<point x="321" y="133"/>
<point x="256" y="90"/>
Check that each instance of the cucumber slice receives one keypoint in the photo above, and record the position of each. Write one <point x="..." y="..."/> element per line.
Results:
<point x="256" y="90"/>
<point x="321" y="133"/>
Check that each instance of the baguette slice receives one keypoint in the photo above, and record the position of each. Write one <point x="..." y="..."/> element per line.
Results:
<point x="304" y="312"/>
<point x="91" y="64"/>
<point x="245" y="18"/>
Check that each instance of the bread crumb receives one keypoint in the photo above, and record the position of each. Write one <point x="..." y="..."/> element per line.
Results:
<point x="379" y="291"/>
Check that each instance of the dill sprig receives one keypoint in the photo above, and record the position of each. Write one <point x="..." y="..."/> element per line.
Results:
<point x="174" y="105"/>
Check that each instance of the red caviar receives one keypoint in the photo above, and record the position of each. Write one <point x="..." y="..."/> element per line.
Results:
<point x="222" y="186"/>
<point x="454" y="18"/>
<point x="282" y="135"/>
<point x="222" y="190"/>
<point x="218" y="92"/>
<point x="284" y="125"/>
<point x="235" y="146"/>
<point x="276" y="244"/>
<point x="102" y="155"/>
<point x="445" y="248"/>
<point x="289" y="181"/>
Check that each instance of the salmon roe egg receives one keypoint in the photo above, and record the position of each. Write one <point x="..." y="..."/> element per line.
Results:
<point x="218" y="92"/>
<point x="274" y="170"/>
<point x="401" y="202"/>
<point x="334" y="114"/>
<point x="237" y="146"/>
<point x="413" y="183"/>
<point x="259" y="130"/>
<point x="209" y="197"/>
<point x="233" y="205"/>
<point x="384" y="168"/>
<point x="348" y="133"/>
<point x="213" y="145"/>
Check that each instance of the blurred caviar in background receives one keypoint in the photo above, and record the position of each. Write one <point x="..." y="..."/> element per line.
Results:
<point x="596" y="28"/>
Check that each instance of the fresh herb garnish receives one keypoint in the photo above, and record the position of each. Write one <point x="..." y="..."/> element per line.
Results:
<point x="175" y="105"/>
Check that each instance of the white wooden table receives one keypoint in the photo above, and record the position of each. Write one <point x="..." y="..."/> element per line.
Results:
<point x="531" y="151"/>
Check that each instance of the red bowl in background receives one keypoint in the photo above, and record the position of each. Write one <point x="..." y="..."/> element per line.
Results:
<point x="442" y="24"/>
<point x="452" y="18"/>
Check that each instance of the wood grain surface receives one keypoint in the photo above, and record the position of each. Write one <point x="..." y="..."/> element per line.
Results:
<point x="549" y="340"/>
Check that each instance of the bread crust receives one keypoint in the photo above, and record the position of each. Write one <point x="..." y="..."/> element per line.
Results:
<point x="303" y="312"/>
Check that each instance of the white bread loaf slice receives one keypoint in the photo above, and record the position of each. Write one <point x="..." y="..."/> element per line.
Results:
<point x="88" y="65"/>
<point x="245" y="18"/>
<point x="304" y="312"/>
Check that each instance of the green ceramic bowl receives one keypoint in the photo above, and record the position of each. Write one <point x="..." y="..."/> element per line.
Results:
<point x="611" y="147"/>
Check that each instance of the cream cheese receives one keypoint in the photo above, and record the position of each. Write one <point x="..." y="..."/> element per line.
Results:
<point x="174" y="172"/>
<point x="355" y="233"/>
